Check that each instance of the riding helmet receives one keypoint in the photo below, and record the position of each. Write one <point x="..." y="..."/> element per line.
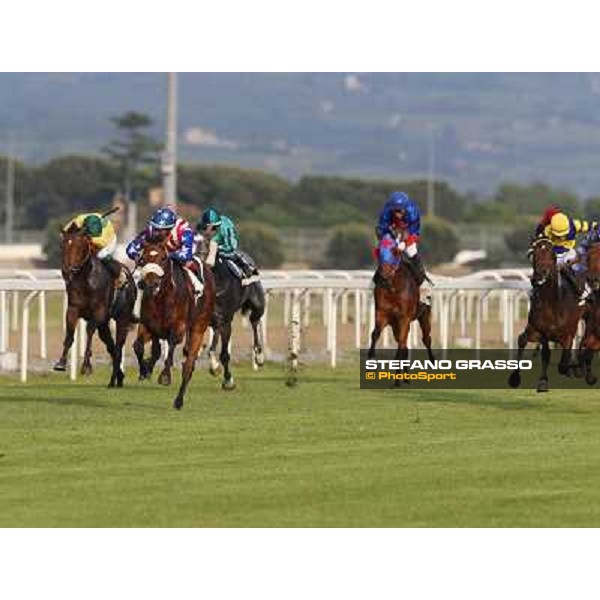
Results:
<point x="92" y="225"/>
<point x="560" y="225"/>
<point x="163" y="218"/>
<point x="210" y="217"/>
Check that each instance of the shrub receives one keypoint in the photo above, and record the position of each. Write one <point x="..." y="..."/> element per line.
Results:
<point x="262" y="243"/>
<point x="439" y="242"/>
<point x="52" y="243"/>
<point x="517" y="239"/>
<point x="350" y="247"/>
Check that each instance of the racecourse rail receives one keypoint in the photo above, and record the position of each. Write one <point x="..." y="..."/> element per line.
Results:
<point x="344" y="293"/>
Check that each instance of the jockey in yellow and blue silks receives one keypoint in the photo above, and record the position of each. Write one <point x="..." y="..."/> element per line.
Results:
<point x="562" y="231"/>
<point x="399" y="231"/>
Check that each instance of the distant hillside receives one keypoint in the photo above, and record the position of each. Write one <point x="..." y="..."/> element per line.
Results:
<point x="488" y="127"/>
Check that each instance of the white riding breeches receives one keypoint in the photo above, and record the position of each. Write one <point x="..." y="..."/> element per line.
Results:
<point x="566" y="257"/>
<point x="211" y="257"/>
<point x="411" y="251"/>
<point x="108" y="250"/>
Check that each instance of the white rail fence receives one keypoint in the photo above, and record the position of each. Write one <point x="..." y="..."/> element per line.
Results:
<point x="462" y="302"/>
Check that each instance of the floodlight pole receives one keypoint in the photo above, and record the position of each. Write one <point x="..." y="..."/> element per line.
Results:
<point x="169" y="166"/>
<point x="10" y="198"/>
<point x="431" y="174"/>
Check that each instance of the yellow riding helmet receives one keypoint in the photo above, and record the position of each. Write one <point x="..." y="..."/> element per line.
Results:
<point x="560" y="225"/>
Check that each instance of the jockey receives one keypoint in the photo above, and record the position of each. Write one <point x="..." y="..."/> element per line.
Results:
<point x="562" y="231"/>
<point x="224" y="239"/>
<point x="101" y="233"/>
<point x="180" y="242"/>
<point x="398" y="230"/>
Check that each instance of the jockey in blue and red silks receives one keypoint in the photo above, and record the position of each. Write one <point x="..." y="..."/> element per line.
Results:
<point x="180" y="240"/>
<point x="398" y="231"/>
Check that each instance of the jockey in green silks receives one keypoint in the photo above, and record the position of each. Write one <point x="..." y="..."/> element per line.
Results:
<point x="223" y="240"/>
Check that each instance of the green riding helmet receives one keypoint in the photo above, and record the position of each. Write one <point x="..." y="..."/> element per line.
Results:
<point x="210" y="218"/>
<point x="92" y="225"/>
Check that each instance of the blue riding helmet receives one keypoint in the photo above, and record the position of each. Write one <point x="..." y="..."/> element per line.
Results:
<point x="163" y="218"/>
<point x="399" y="200"/>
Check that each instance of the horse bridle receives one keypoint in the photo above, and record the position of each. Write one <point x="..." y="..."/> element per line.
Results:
<point x="73" y="270"/>
<point x="157" y="268"/>
<point x="531" y="253"/>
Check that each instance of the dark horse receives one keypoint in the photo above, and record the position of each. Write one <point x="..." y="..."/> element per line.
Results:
<point x="397" y="305"/>
<point x="554" y="314"/>
<point x="91" y="295"/>
<point x="170" y="311"/>
<point x="590" y="342"/>
<point x="232" y="297"/>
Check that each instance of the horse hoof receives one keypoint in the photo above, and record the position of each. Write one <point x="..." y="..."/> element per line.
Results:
<point x="577" y="372"/>
<point x="215" y="370"/>
<point x="178" y="404"/>
<point x="164" y="379"/>
<point x="86" y="370"/>
<point x="591" y="379"/>
<point x="564" y="370"/>
<point x="259" y="359"/>
<point x="228" y="385"/>
<point x="291" y="381"/>
<point x="515" y="379"/>
<point x="542" y="386"/>
<point x="60" y="366"/>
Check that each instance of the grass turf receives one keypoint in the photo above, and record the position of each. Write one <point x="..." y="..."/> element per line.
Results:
<point x="322" y="454"/>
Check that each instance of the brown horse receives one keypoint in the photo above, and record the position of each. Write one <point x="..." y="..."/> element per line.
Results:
<point x="398" y="305"/>
<point x="91" y="295"/>
<point x="590" y="342"/>
<point x="171" y="312"/>
<point x="554" y="313"/>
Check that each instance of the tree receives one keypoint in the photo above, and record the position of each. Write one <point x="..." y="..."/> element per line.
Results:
<point x="133" y="149"/>
<point x="350" y="247"/>
<point x="263" y="244"/>
<point x="439" y="242"/>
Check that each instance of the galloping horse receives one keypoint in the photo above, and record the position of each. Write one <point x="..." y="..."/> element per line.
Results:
<point x="590" y="342"/>
<point x="398" y="305"/>
<point x="91" y="295"/>
<point x="170" y="311"/>
<point x="554" y="313"/>
<point x="232" y="296"/>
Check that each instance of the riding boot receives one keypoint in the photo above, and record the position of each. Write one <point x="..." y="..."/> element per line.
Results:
<point x="415" y="264"/>
<point x="380" y="280"/>
<point x="247" y="269"/>
<point x="576" y="283"/>
<point x="115" y="269"/>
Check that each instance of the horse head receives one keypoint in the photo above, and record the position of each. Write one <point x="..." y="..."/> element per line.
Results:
<point x="154" y="264"/>
<point x="593" y="266"/>
<point x="543" y="260"/>
<point x="76" y="250"/>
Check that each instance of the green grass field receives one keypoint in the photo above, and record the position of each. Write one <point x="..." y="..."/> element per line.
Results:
<point x="322" y="454"/>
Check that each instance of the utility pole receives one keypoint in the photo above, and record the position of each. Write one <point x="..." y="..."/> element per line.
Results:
<point x="169" y="166"/>
<point x="10" y="198"/>
<point x="431" y="174"/>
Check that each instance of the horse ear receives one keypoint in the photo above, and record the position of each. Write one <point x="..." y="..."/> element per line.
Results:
<point x="72" y="228"/>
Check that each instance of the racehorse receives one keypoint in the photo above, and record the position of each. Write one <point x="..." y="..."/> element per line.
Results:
<point x="590" y="342"/>
<point x="554" y="314"/>
<point x="171" y="312"/>
<point x="397" y="305"/>
<point x="91" y="296"/>
<point x="232" y="297"/>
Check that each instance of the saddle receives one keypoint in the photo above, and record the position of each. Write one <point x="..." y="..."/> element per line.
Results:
<point x="243" y="269"/>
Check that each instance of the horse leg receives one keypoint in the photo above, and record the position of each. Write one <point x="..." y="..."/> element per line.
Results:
<point x="256" y="304"/>
<point x="214" y="364"/>
<point x="401" y="329"/>
<point x="155" y="352"/>
<point x="586" y="356"/>
<point x="565" y="365"/>
<point x="143" y="336"/>
<point x="121" y="336"/>
<point x="228" y="382"/>
<point x="107" y="338"/>
<point x="380" y="322"/>
<point x="527" y="335"/>
<point x="193" y="344"/>
<point x="424" y="319"/>
<point x="545" y="354"/>
<point x="71" y="318"/>
<point x="165" y="377"/>
<point x="86" y="365"/>
<point x="259" y="356"/>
